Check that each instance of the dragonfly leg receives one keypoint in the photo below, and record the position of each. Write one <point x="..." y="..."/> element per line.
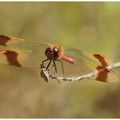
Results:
<point x="62" y="67"/>
<point x="44" y="61"/>
<point x="48" y="64"/>
<point x="55" y="69"/>
<point x="55" y="66"/>
<point x="42" y="65"/>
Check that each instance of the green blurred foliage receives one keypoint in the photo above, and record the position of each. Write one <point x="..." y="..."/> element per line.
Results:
<point x="88" y="26"/>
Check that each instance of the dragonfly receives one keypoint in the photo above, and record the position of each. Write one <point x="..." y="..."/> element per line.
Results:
<point x="77" y="62"/>
<point x="72" y="61"/>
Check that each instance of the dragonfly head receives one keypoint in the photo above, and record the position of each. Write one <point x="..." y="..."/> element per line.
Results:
<point x="53" y="52"/>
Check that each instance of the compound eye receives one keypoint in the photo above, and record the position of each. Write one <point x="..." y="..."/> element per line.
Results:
<point x="55" y="53"/>
<point x="47" y="51"/>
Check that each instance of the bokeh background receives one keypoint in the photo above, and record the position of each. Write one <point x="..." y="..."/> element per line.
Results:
<point x="89" y="26"/>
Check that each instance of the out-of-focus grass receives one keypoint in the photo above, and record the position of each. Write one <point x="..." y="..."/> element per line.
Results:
<point x="87" y="26"/>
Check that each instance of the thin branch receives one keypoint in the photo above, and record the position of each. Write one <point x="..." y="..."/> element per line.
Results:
<point x="114" y="65"/>
<point x="74" y="78"/>
<point x="86" y="76"/>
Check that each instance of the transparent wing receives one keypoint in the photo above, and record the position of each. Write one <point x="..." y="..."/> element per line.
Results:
<point x="15" y="57"/>
<point x="84" y="61"/>
<point x="13" y="54"/>
<point x="8" y="40"/>
<point x="112" y="77"/>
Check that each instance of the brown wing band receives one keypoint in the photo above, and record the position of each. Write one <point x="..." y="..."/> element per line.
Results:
<point x="4" y="40"/>
<point x="102" y="75"/>
<point x="101" y="59"/>
<point x="12" y="58"/>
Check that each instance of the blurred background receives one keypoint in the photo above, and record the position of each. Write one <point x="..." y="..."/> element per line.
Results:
<point x="89" y="26"/>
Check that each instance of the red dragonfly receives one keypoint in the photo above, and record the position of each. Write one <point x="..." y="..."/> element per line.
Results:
<point x="9" y="55"/>
<point x="76" y="62"/>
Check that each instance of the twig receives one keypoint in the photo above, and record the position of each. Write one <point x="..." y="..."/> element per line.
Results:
<point x="86" y="76"/>
<point x="114" y="65"/>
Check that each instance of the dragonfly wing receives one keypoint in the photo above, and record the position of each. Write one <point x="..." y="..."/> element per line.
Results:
<point x="88" y="57"/>
<point x="19" y="58"/>
<point x="7" y="40"/>
<point x="86" y="62"/>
